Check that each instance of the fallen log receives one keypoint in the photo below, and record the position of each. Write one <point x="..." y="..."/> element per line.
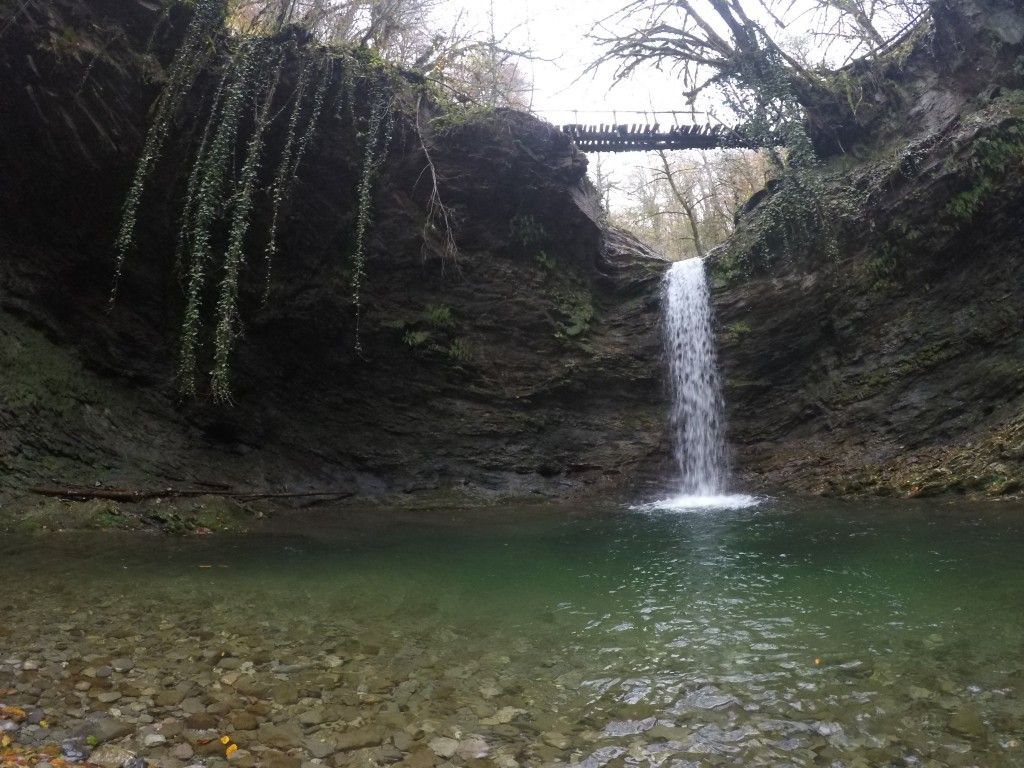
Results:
<point x="130" y="496"/>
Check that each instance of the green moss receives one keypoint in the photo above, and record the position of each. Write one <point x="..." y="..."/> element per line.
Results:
<point x="545" y="261"/>
<point x="439" y="316"/>
<point x="577" y="307"/>
<point x="415" y="339"/>
<point x="883" y="266"/>
<point x="963" y="207"/>
<point x="989" y="159"/>
<point x="458" y="352"/>
<point x="525" y="231"/>
<point x="738" y="328"/>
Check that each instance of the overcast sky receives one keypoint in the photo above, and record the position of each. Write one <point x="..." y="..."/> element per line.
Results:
<point x="557" y="31"/>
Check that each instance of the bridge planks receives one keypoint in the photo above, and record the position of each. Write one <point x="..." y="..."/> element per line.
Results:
<point x="647" y="138"/>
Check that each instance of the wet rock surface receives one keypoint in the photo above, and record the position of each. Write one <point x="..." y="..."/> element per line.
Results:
<point x="530" y="365"/>
<point x="893" y="365"/>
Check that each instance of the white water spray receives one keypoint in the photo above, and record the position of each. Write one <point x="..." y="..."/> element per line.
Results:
<point x="697" y="415"/>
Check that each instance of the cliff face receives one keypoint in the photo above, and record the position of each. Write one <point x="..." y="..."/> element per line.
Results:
<point x="887" y="356"/>
<point x="531" y="363"/>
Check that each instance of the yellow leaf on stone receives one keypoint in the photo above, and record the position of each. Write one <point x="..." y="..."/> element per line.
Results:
<point x="5" y="741"/>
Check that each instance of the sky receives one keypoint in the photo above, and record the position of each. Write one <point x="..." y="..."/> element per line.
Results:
<point x="564" y="92"/>
<point x="557" y="31"/>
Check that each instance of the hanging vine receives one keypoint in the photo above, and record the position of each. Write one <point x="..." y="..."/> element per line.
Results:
<point x="184" y="243"/>
<point x="224" y="187"/>
<point x="285" y="174"/>
<point x="192" y="56"/>
<point x="208" y="205"/>
<point x="227" y="305"/>
<point x="378" y="134"/>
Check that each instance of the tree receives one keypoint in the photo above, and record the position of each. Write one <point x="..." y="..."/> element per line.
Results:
<point x="399" y="30"/>
<point x="739" y="49"/>
<point x="685" y="205"/>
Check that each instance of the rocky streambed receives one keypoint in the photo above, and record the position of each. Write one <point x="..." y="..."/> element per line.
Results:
<point x="549" y="637"/>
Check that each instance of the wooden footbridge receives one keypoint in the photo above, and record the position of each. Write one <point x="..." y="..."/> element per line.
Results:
<point x="689" y="129"/>
<point x="651" y="138"/>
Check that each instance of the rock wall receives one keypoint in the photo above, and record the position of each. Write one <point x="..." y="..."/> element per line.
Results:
<point x="529" y="364"/>
<point x="892" y="360"/>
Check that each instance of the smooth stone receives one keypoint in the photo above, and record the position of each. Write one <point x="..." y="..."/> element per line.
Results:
<point x="104" y="729"/>
<point x="313" y="716"/>
<point x="279" y="736"/>
<point x="359" y="739"/>
<point x="202" y="721"/>
<point x="30" y="665"/>
<point x="556" y="740"/>
<point x="169" y="698"/>
<point x="172" y="728"/>
<point x="402" y="741"/>
<point x="108" y="697"/>
<point x="182" y="751"/>
<point x="74" y="750"/>
<point x="104" y="671"/>
<point x="230" y="679"/>
<point x="248" y="685"/>
<point x="243" y="721"/>
<point x="205" y="743"/>
<point x="122" y="665"/>
<point x="967" y="722"/>
<point x="273" y="758"/>
<point x="193" y="706"/>
<point x="472" y="748"/>
<point x="242" y="758"/>
<point x="153" y="740"/>
<point x="444" y="747"/>
<point x="503" y="716"/>
<point x="136" y="761"/>
<point x="284" y="693"/>
<point x="421" y="757"/>
<point x="111" y="755"/>
<point x="229" y="663"/>
<point x="318" y="748"/>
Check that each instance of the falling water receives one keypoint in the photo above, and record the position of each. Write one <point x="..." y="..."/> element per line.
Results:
<point x="696" y="416"/>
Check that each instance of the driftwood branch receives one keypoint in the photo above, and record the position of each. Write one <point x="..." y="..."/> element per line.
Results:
<point x="131" y="496"/>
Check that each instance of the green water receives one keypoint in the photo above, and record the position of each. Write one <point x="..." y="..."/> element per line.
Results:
<point x="840" y="635"/>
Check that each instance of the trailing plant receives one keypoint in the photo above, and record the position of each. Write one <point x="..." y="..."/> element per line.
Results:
<point x="285" y="174"/>
<point x="378" y="137"/>
<point x="295" y="148"/>
<point x="208" y="204"/>
<point x="193" y="54"/>
<point x="184" y="243"/>
<point x="227" y="306"/>
<point x="223" y="186"/>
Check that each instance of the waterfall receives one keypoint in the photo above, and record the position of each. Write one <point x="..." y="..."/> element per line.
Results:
<point x="696" y="418"/>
